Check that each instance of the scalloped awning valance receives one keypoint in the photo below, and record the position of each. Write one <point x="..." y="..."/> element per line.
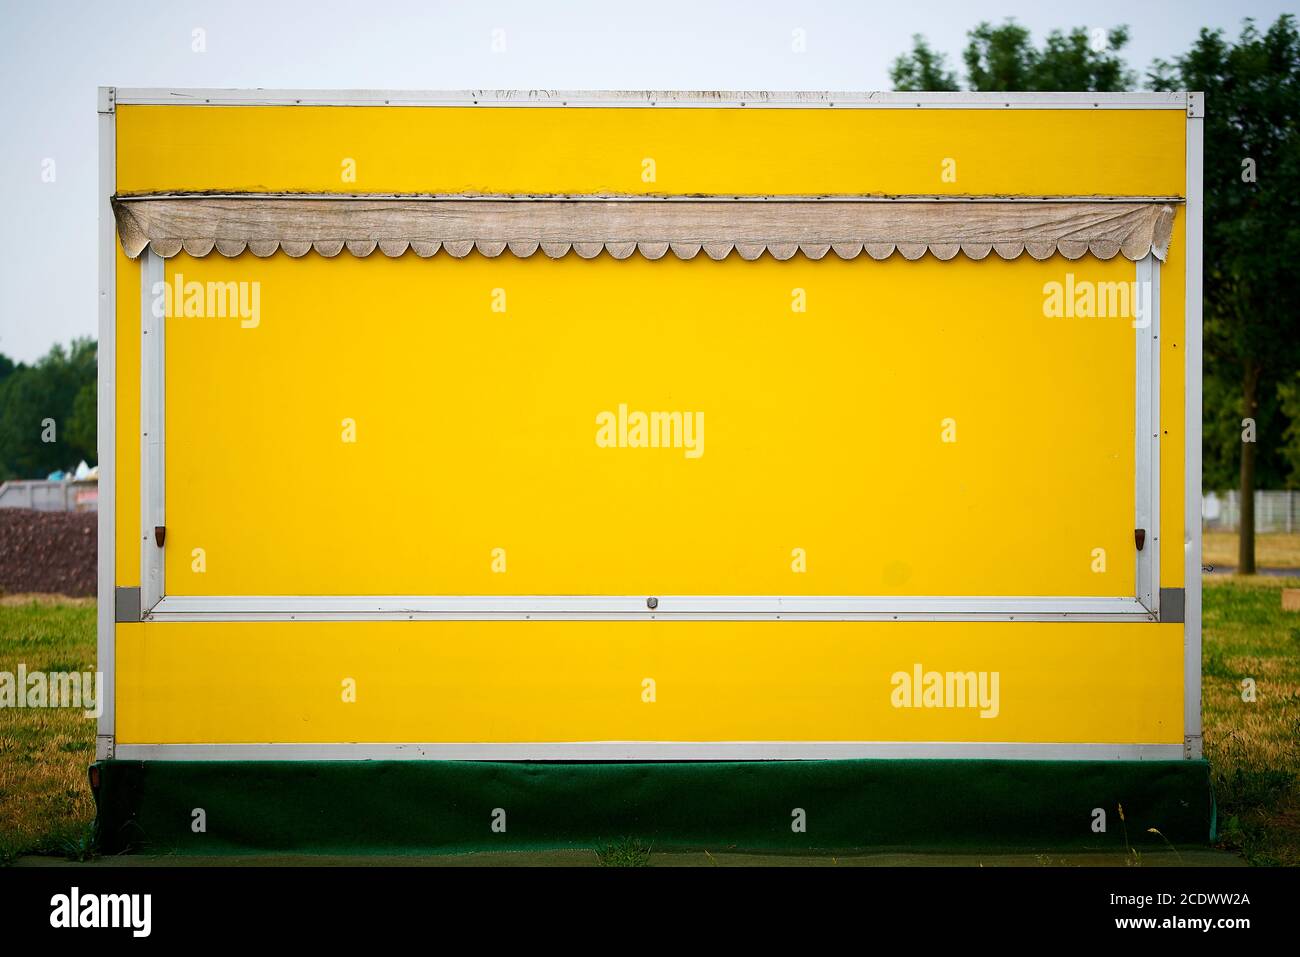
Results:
<point x="782" y="226"/>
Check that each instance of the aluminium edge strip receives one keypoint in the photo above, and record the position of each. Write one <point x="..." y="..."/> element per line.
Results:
<point x="658" y="198"/>
<point x="152" y="432"/>
<point x="1194" y="239"/>
<point x="664" y="99"/>
<point x="1147" y="435"/>
<point x="629" y="608"/>
<point x="1141" y="607"/>
<point x="106" y="625"/>
<point x="649" y="751"/>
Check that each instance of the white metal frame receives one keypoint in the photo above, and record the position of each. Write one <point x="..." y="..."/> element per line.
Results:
<point x="1119" y="609"/>
<point x="1147" y="434"/>
<point x="634" y="608"/>
<point x="153" y="394"/>
<point x="106" y="428"/>
<point x="157" y="605"/>
<point x="652" y="751"/>
<point x="767" y="199"/>
<point x="757" y="99"/>
<point x="1195" y="237"/>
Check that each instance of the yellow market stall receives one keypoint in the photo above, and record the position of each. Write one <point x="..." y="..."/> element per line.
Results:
<point x="525" y="469"/>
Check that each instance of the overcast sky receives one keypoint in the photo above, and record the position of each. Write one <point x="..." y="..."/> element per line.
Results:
<point x="54" y="54"/>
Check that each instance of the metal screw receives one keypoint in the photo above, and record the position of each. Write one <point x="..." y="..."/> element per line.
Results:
<point x="652" y="603"/>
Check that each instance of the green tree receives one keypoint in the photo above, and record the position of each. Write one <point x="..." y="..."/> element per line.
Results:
<point x="1003" y="59"/>
<point x="1252" y="231"/>
<point x="922" y="70"/>
<point x="1000" y="59"/>
<point x="1082" y="61"/>
<point x="83" y="423"/>
<point x="1289" y="395"/>
<point x="37" y="404"/>
<point x="1221" y="435"/>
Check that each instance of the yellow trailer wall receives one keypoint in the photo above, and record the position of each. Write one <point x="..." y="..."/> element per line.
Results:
<point x="254" y="389"/>
<point x="536" y="681"/>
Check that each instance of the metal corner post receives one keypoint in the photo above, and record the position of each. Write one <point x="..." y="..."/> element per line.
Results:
<point x="1192" y="731"/>
<point x="106" y="626"/>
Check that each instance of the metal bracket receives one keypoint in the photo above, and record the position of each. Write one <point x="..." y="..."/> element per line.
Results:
<point x="108" y="99"/>
<point x="126" y="604"/>
<point x="1173" y="603"/>
<point x="105" y="747"/>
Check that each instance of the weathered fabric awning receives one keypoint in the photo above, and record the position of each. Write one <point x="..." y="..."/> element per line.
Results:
<point x="262" y="224"/>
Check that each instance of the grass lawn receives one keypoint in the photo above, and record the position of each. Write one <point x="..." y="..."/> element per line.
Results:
<point x="1254" y="748"/>
<point x="1274" y="550"/>
<point x="45" y="801"/>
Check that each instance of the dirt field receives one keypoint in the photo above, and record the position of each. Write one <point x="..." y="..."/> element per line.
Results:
<point x="49" y="552"/>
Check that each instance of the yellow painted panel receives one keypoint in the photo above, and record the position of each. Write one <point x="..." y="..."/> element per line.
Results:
<point x="1173" y="392"/>
<point x="798" y="151"/>
<point x="583" y="681"/>
<point x="476" y="430"/>
<point x="127" y="542"/>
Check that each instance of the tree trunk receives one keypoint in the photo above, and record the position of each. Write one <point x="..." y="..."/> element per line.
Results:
<point x="1246" y="537"/>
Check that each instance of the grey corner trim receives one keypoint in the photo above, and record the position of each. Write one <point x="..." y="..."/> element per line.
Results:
<point x="1173" y="601"/>
<point x="107" y="99"/>
<point x="105" y="747"/>
<point x="1196" y="105"/>
<point x="126" y="604"/>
